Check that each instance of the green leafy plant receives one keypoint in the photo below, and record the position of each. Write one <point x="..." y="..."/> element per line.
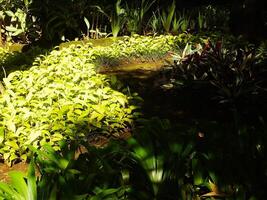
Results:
<point x="135" y="47"/>
<point x="116" y="17"/>
<point x="214" y="18"/>
<point x="167" y="17"/>
<point x="176" y="24"/>
<point x="185" y="21"/>
<point x="62" y="24"/>
<point x="117" y="20"/>
<point x="135" y="16"/>
<point x="55" y="100"/>
<point x="13" y="21"/>
<point x="234" y="75"/>
<point x="62" y="97"/>
<point x="201" y="21"/>
<point x="155" y="23"/>
<point x="162" y="161"/>
<point x="121" y="170"/>
<point x="68" y="175"/>
<point x="16" y="60"/>
<point x="19" y="16"/>
<point x="95" y="174"/>
<point x="22" y="187"/>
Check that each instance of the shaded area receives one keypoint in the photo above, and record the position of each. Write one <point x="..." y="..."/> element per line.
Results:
<point x="136" y="68"/>
<point x="17" y="60"/>
<point x="206" y="149"/>
<point x="228" y="135"/>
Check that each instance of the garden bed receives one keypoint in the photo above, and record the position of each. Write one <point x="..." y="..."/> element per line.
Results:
<point x="62" y="97"/>
<point x="182" y="115"/>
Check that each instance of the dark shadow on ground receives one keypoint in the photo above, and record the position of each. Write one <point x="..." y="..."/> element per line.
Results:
<point x="229" y="141"/>
<point x="20" y="60"/>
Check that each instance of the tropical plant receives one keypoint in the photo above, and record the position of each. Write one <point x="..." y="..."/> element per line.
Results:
<point x="135" y="15"/>
<point x="234" y="75"/>
<point x="58" y="21"/>
<point x="68" y="175"/>
<point x="62" y="96"/>
<point x="176" y="24"/>
<point x="188" y="50"/>
<point x="161" y="161"/>
<point x="61" y="24"/>
<point x="121" y="170"/>
<point x="214" y="18"/>
<point x="21" y="187"/>
<point x="20" y="28"/>
<point x="116" y="17"/>
<point x="16" y="60"/>
<point x="201" y="19"/>
<point x="185" y="21"/>
<point x="149" y="47"/>
<point x="155" y="23"/>
<point x="63" y="176"/>
<point x="167" y="17"/>
<point x="13" y="20"/>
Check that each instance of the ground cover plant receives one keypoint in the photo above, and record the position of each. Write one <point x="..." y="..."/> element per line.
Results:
<point x="191" y="126"/>
<point x="139" y="47"/>
<point x="62" y="97"/>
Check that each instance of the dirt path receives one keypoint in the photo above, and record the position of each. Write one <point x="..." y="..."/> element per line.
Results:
<point x="5" y="169"/>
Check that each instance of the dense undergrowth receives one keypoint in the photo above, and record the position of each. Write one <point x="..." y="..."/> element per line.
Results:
<point x="62" y="97"/>
<point x="197" y="127"/>
<point x="217" y="150"/>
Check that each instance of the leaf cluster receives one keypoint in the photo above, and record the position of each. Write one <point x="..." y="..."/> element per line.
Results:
<point x="60" y="97"/>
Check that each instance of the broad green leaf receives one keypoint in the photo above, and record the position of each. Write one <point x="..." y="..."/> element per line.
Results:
<point x="31" y="181"/>
<point x="34" y="135"/>
<point x="17" y="32"/>
<point x="11" y="28"/>
<point x="53" y="194"/>
<point x="6" y="156"/>
<point x="2" y="134"/>
<point x="9" y="13"/>
<point x="12" y="144"/>
<point x="18" y="182"/>
<point x="6" y="188"/>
